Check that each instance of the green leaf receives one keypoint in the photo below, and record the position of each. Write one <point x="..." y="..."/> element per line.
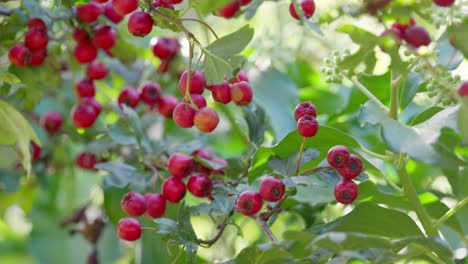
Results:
<point x="121" y="134"/>
<point x="449" y="56"/>
<point x="9" y="180"/>
<point x="462" y="116"/>
<point x="410" y="88"/>
<point x="233" y="43"/>
<point x="425" y="115"/>
<point x="431" y="244"/>
<point x="163" y="23"/>
<point x="367" y="41"/>
<point x="256" y="121"/>
<point x="264" y="254"/>
<point x="9" y="78"/>
<point x="124" y="51"/>
<point x="187" y="233"/>
<point x="207" y="6"/>
<point x="339" y="242"/>
<point x="456" y="33"/>
<point x="122" y="175"/>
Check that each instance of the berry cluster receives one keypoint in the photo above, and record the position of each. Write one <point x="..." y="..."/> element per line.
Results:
<point x="34" y="50"/>
<point x="271" y="189"/>
<point x="231" y="9"/>
<point x="305" y="114"/>
<point x="332" y="70"/>
<point x="307" y="6"/>
<point x="416" y="36"/>
<point x="348" y="166"/>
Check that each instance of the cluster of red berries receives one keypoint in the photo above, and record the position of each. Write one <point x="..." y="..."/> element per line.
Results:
<point x="348" y="166"/>
<point x="416" y="36"/>
<point x="271" y="189"/>
<point x="305" y="114"/>
<point x="231" y="9"/>
<point x="34" y="50"/>
<point x="165" y="49"/>
<point x="307" y="6"/>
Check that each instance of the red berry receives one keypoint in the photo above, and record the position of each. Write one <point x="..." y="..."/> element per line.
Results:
<point x="197" y="82"/>
<point x="85" y="52"/>
<point x="241" y="76"/>
<point x="164" y="66"/>
<point x="463" y="89"/>
<point x="52" y="121"/>
<point x="140" y="24"/>
<point x="271" y="189"/>
<point x="307" y="126"/>
<point x="80" y="35"/>
<point x="160" y="3"/>
<point x="96" y="70"/>
<point x="85" y="88"/>
<point x="167" y="104"/>
<point x="150" y="92"/>
<point x="165" y="48"/>
<point x="86" y="160"/>
<point x="197" y="99"/>
<point x="249" y="203"/>
<point x="155" y="205"/>
<point x="443" y="2"/>
<point x="35" y="151"/>
<point x="184" y="114"/>
<point x="346" y="191"/>
<point x="37" y="23"/>
<point x="241" y="93"/>
<point x="93" y="103"/>
<point x="417" y="36"/>
<point x="89" y="12"/>
<point x="104" y="37"/>
<point x="100" y="1"/>
<point x="111" y="14"/>
<point x="206" y="120"/>
<point x="129" y="96"/>
<point x="221" y="92"/>
<point x="179" y="165"/>
<point x="83" y="115"/>
<point x="338" y="156"/>
<point x="229" y="10"/>
<point x="173" y="189"/>
<point x="133" y="203"/>
<point x="307" y="6"/>
<point x="172" y="1"/>
<point x="305" y="108"/>
<point x="124" y="7"/>
<point x="400" y="28"/>
<point x="129" y="229"/>
<point x="200" y="185"/>
<point x="352" y="168"/>
<point x="19" y="55"/>
<point x="38" y="57"/>
<point x="36" y="39"/>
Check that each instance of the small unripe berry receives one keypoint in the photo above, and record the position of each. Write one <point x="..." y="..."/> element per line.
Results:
<point x="85" y="52"/>
<point x="155" y="205"/>
<point x="133" y="203"/>
<point x="241" y="93"/>
<point x="129" y="96"/>
<point x="249" y="203"/>
<point x="229" y="10"/>
<point x="305" y="108"/>
<point x="197" y="82"/>
<point x="19" y="55"/>
<point x="180" y="165"/>
<point x="200" y="185"/>
<point x="150" y="92"/>
<point x="443" y="3"/>
<point x="124" y="7"/>
<point x="167" y="104"/>
<point x="89" y="12"/>
<point x="307" y="6"/>
<point x="36" y="39"/>
<point x="104" y="37"/>
<point x="85" y="88"/>
<point x="37" y="23"/>
<point x="338" y="156"/>
<point x="140" y="24"/>
<point x="271" y="189"/>
<point x="52" y="121"/>
<point x="221" y="92"/>
<point x="307" y="126"/>
<point x="352" y="168"/>
<point x="463" y="89"/>
<point x="206" y="120"/>
<point x="96" y="70"/>
<point x="184" y="114"/>
<point x="173" y="190"/>
<point x="83" y="115"/>
<point x="111" y="14"/>
<point x="417" y="36"/>
<point x="346" y="191"/>
<point x="86" y="160"/>
<point x="129" y="229"/>
<point x="197" y="99"/>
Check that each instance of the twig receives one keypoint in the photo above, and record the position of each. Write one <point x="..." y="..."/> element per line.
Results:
<point x="221" y="228"/>
<point x="299" y="157"/>
<point x="203" y="23"/>
<point x="267" y="231"/>
<point x="450" y="212"/>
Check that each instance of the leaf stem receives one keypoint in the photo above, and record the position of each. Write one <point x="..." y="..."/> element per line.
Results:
<point x="373" y="154"/>
<point x="450" y="212"/>
<point x="299" y="157"/>
<point x="203" y="23"/>
<point x="218" y="235"/>
<point x="394" y="91"/>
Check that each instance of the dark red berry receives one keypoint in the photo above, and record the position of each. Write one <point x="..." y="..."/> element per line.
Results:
<point x="19" y="55"/>
<point x="180" y="165"/>
<point x="80" y="35"/>
<point x="173" y="189"/>
<point x="83" y="115"/>
<point x="129" y="96"/>
<point x="167" y="104"/>
<point x="184" y="114"/>
<point x="307" y="6"/>
<point x="86" y="160"/>
<point x="96" y="70"/>
<point x="104" y="37"/>
<point x="352" y="168"/>
<point x="160" y="3"/>
<point x="124" y="7"/>
<point x="399" y="28"/>
<point x="229" y="10"/>
<point x="307" y="126"/>
<point x="150" y="92"/>
<point x="155" y="205"/>
<point x="172" y="1"/>
<point x="140" y="24"/>
<point x="241" y="76"/>
<point x="36" y="39"/>
<point x="85" y="88"/>
<point x="37" y="23"/>
<point x="38" y="57"/>
<point x="206" y="120"/>
<point x="165" y="48"/>
<point x="85" y="52"/>
<point x="129" y="229"/>
<point x="249" y="203"/>
<point x="443" y="2"/>
<point x="134" y="204"/>
<point x="197" y="99"/>
<point x="463" y="89"/>
<point x="338" y="156"/>
<point x="241" y="93"/>
<point x="52" y="121"/>
<point x="200" y="185"/>
<point x="89" y="12"/>
<point x="221" y="92"/>
<point x="93" y="103"/>
<point x="271" y="189"/>
<point x="305" y="108"/>
<point x="417" y="36"/>
<point x="346" y="191"/>
<point x="197" y="82"/>
<point x="35" y="151"/>
<point x="111" y="14"/>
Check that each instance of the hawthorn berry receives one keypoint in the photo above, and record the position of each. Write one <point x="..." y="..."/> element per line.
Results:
<point x="463" y="89"/>
<point x="173" y="189"/>
<point x="307" y="6"/>
<point x="221" y="92"/>
<point x="155" y="204"/>
<point x="133" y="203"/>
<point x="165" y="48"/>
<point x="197" y="82"/>
<point x="206" y="120"/>
<point x="172" y="1"/>
<point x="197" y="99"/>
<point x="93" y="103"/>
<point x="417" y="36"/>
<point x="124" y="7"/>
<point x="271" y="189"/>
<point x="150" y="92"/>
<point x="36" y="39"/>
<point x="104" y="37"/>
<point x="164" y="66"/>
<point x="345" y="191"/>
<point x="229" y="10"/>
<point x="240" y="76"/>
<point x="307" y="126"/>
<point x="160" y="3"/>
<point x="37" y="23"/>
<point x="167" y="104"/>
<point x="352" y="168"/>
<point x="140" y="24"/>
<point x="180" y="165"/>
<point x="85" y="88"/>
<point x="35" y="151"/>
<point x="129" y="229"/>
<point x="38" y="57"/>
<point x="83" y="115"/>
<point x="19" y="55"/>
<point x="111" y="14"/>
<point x="241" y="93"/>
<point x="89" y="12"/>
<point x="399" y="27"/>
<point x="80" y="35"/>
<point x="129" y="96"/>
<point x="200" y="185"/>
<point x="249" y="203"/>
<point x="84" y="52"/>
<point x="86" y="160"/>
<point x="443" y="3"/>
<point x="96" y="70"/>
<point x="338" y="156"/>
<point x="184" y="114"/>
<point x="52" y="121"/>
<point x="305" y="108"/>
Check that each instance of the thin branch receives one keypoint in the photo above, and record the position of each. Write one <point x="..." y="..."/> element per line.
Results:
<point x="299" y="157"/>
<point x="203" y="23"/>
<point x="218" y="235"/>
<point x="267" y="231"/>
<point x="450" y="212"/>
